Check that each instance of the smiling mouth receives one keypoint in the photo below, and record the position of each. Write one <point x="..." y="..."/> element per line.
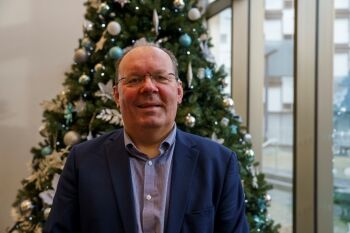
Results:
<point x="149" y="105"/>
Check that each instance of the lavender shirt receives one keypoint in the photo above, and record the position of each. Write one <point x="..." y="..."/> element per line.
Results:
<point x="150" y="181"/>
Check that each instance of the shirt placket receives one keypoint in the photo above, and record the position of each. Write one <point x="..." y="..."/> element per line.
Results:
<point x="150" y="198"/>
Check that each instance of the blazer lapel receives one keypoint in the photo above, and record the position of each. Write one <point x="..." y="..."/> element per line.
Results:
<point x="184" y="163"/>
<point x="119" y="167"/>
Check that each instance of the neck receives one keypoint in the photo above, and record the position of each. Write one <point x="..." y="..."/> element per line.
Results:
<point x="148" y="140"/>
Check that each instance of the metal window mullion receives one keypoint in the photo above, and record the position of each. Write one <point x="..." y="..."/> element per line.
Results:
<point x="325" y="53"/>
<point x="305" y="117"/>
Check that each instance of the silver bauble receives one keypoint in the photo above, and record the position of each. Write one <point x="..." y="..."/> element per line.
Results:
<point x="190" y="121"/>
<point x="248" y="138"/>
<point x="103" y="8"/>
<point x="179" y="4"/>
<point x="80" y="56"/>
<point x="71" y="138"/>
<point x="268" y="199"/>
<point x="113" y="28"/>
<point x="87" y="26"/>
<point x="194" y="14"/>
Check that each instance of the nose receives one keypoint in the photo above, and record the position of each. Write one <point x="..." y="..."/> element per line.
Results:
<point x="149" y="84"/>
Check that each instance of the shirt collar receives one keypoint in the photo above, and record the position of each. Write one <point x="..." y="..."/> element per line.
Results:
<point x="164" y="145"/>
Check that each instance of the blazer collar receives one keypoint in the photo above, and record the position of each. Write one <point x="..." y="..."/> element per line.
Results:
<point x="184" y="163"/>
<point x="119" y="167"/>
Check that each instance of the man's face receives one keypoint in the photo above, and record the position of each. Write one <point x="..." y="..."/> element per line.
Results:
<point x="149" y="104"/>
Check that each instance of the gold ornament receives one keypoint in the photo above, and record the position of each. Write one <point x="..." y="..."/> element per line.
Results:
<point x="228" y="102"/>
<point x="47" y="212"/>
<point x="26" y="207"/>
<point x="71" y="138"/>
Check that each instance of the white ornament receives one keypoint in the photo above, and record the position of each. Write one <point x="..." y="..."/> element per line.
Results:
<point x="194" y="14"/>
<point x="111" y="116"/>
<point x="48" y="195"/>
<point x="155" y="21"/>
<point x="215" y="138"/>
<point x="71" y="138"/>
<point x="224" y="121"/>
<point x="122" y="2"/>
<point x="201" y="73"/>
<point x="80" y="56"/>
<point x="208" y="56"/>
<point x="106" y="91"/>
<point x="113" y="28"/>
<point x="189" y="74"/>
<point x="202" y="6"/>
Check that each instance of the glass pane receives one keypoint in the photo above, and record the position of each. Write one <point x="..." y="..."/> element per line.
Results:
<point x="341" y="4"/>
<point x="341" y="31"/>
<point x="220" y="31"/>
<point x="273" y="4"/>
<point x="277" y="157"/>
<point x="341" y="119"/>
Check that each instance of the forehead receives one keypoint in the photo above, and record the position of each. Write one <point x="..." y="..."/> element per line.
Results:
<point x="145" y="57"/>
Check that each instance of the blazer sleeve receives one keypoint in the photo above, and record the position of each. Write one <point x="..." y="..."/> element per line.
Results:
<point x="230" y="217"/>
<point x="64" y="212"/>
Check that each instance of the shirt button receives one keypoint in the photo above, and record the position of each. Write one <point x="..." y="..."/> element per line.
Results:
<point x="150" y="163"/>
<point x="148" y="197"/>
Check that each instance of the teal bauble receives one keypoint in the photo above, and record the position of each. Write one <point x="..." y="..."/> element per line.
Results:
<point x="46" y="150"/>
<point x="115" y="52"/>
<point x="208" y="73"/>
<point x="185" y="40"/>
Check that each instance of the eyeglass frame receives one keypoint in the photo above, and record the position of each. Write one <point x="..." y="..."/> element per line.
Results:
<point x="143" y="78"/>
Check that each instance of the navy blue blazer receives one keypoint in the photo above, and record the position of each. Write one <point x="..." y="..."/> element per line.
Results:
<point x="94" y="193"/>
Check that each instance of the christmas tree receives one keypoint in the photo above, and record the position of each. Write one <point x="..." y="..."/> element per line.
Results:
<point x="85" y="108"/>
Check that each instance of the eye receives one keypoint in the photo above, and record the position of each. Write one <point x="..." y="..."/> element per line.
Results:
<point x="161" y="78"/>
<point x="133" y="79"/>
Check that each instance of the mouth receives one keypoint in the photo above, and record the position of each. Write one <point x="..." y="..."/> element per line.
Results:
<point x="150" y="105"/>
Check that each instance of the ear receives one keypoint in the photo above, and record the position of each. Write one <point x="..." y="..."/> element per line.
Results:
<point x="180" y="92"/>
<point x="116" y="95"/>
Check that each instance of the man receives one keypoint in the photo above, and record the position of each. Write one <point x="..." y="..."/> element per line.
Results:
<point x="149" y="177"/>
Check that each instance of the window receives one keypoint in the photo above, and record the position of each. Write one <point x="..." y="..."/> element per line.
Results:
<point x="273" y="4"/>
<point x="341" y="4"/>
<point x="220" y="31"/>
<point x="277" y="148"/>
<point x="341" y="31"/>
<point x="341" y="125"/>
<point x="273" y="30"/>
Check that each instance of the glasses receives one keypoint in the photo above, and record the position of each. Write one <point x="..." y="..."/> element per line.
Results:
<point x="135" y="80"/>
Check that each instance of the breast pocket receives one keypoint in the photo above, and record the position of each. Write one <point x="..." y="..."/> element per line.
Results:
<point x="201" y="221"/>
